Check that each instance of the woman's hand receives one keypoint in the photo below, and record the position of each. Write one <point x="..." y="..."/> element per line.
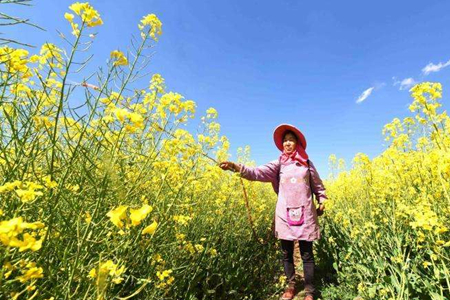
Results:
<point x="320" y="209"/>
<point x="229" y="165"/>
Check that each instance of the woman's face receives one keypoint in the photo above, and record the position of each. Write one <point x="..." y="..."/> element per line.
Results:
<point x="289" y="142"/>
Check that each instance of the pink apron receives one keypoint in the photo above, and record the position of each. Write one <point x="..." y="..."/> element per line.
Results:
<point x="295" y="194"/>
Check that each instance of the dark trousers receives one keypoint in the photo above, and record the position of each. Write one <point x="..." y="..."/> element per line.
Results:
<point x="306" y="252"/>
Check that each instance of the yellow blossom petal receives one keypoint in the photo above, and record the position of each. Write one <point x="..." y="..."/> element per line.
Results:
<point x="117" y="215"/>
<point x="137" y="215"/>
<point x="150" y="229"/>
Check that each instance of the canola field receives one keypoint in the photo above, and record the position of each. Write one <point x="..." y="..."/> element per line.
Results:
<point x="104" y="195"/>
<point x="387" y="223"/>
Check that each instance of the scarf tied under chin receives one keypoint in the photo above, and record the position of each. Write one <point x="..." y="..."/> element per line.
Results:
<point x="298" y="155"/>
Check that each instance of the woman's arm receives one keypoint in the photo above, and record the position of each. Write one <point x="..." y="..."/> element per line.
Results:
<point x="317" y="184"/>
<point x="265" y="173"/>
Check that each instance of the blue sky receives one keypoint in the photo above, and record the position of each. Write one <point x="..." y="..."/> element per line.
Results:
<point x="263" y="63"/>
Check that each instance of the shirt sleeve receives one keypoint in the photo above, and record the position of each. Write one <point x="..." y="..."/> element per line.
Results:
<point x="317" y="184"/>
<point x="265" y="173"/>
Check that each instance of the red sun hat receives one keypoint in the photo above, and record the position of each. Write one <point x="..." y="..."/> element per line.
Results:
<point x="278" y="135"/>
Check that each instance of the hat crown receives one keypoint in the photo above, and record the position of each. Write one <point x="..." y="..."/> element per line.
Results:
<point x="279" y="132"/>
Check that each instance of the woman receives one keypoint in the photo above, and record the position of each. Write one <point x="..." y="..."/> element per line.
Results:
<point x="293" y="176"/>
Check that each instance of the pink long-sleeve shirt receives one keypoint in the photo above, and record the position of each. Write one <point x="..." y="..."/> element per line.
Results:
<point x="291" y="182"/>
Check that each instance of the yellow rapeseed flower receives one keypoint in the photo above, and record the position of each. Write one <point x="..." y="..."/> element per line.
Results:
<point x="88" y="14"/>
<point x="10" y="186"/>
<point x="11" y="229"/>
<point x="199" y="247"/>
<point x="105" y="269"/>
<point x="157" y="84"/>
<point x="9" y="267"/>
<point x="50" y="184"/>
<point x="211" y="113"/>
<point x="77" y="7"/>
<point x="182" y="220"/>
<point x="155" y="26"/>
<point x="164" y="274"/>
<point x="119" y="58"/>
<point x="69" y="17"/>
<point x="15" y="61"/>
<point x="28" y="242"/>
<point x="137" y="215"/>
<point x="88" y="217"/>
<point x="117" y="215"/>
<point x="150" y="229"/>
<point x="121" y="114"/>
<point x="92" y="273"/>
<point x="32" y="272"/>
<point x="213" y="252"/>
<point x="28" y="195"/>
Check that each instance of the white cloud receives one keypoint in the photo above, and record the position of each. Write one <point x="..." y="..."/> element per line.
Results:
<point x="364" y="95"/>
<point x="405" y="83"/>
<point x="434" y="68"/>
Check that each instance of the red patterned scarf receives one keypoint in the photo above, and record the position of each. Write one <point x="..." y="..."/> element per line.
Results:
<point x="299" y="154"/>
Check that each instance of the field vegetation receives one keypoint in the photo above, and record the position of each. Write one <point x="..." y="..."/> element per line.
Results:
<point x="106" y="195"/>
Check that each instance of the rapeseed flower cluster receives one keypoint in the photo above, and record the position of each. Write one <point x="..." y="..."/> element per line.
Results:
<point x="13" y="233"/>
<point x="107" y="269"/>
<point x="30" y="272"/>
<point x="15" y="62"/>
<point x="89" y="16"/>
<point x="396" y="205"/>
<point x="165" y="278"/>
<point x="150" y="24"/>
<point x="121" y="188"/>
<point x="119" y="58"/>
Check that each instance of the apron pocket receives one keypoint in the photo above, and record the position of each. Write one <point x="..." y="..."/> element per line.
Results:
<point x="295" y="215"/>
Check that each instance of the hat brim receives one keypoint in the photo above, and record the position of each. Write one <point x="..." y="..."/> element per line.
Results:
<point x="278" y="135"/>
